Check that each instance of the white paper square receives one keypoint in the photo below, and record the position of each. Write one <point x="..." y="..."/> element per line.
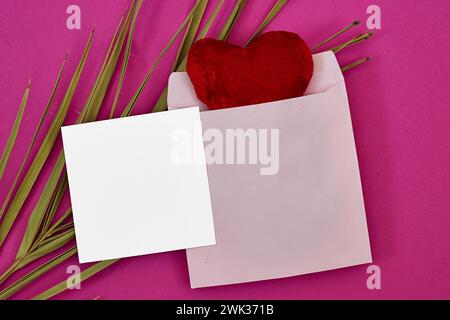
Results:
<point x="128" y="195"/>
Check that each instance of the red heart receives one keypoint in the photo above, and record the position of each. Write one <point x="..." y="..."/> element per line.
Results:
<point x="276" y="66"/>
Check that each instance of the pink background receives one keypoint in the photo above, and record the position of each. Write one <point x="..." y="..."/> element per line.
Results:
<point x="401" y="116"/>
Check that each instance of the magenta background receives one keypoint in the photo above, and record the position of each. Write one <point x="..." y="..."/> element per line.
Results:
<point x="401" y="115"/>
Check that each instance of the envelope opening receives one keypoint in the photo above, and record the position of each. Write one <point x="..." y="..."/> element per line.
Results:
<point x="327" y="74"/>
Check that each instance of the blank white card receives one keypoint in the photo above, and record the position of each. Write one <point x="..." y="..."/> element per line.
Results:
<point x="130" y="196"/>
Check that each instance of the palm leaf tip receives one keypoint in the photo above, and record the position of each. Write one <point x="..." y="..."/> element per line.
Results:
<point x="14" y="131"/>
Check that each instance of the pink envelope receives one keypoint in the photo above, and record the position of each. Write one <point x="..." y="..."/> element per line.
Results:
<point x="307" y="217"/>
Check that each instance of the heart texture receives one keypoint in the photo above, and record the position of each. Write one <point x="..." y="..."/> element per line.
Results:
<point x="276" y="66"/>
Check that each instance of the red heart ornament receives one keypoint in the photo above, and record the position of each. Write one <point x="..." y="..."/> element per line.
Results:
<point x="276" y="66"/>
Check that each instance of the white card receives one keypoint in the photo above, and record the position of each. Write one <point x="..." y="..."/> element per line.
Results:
<point x="129" y="196"/>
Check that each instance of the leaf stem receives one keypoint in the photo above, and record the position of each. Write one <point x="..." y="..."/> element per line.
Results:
<point x="357" y="39"/>
<point x="355" y="64"/>
<point x="350" y="26"/>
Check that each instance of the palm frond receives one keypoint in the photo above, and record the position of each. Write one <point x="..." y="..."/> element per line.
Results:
<point x="52" y="193"/>
<point x="41" y="157"/>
